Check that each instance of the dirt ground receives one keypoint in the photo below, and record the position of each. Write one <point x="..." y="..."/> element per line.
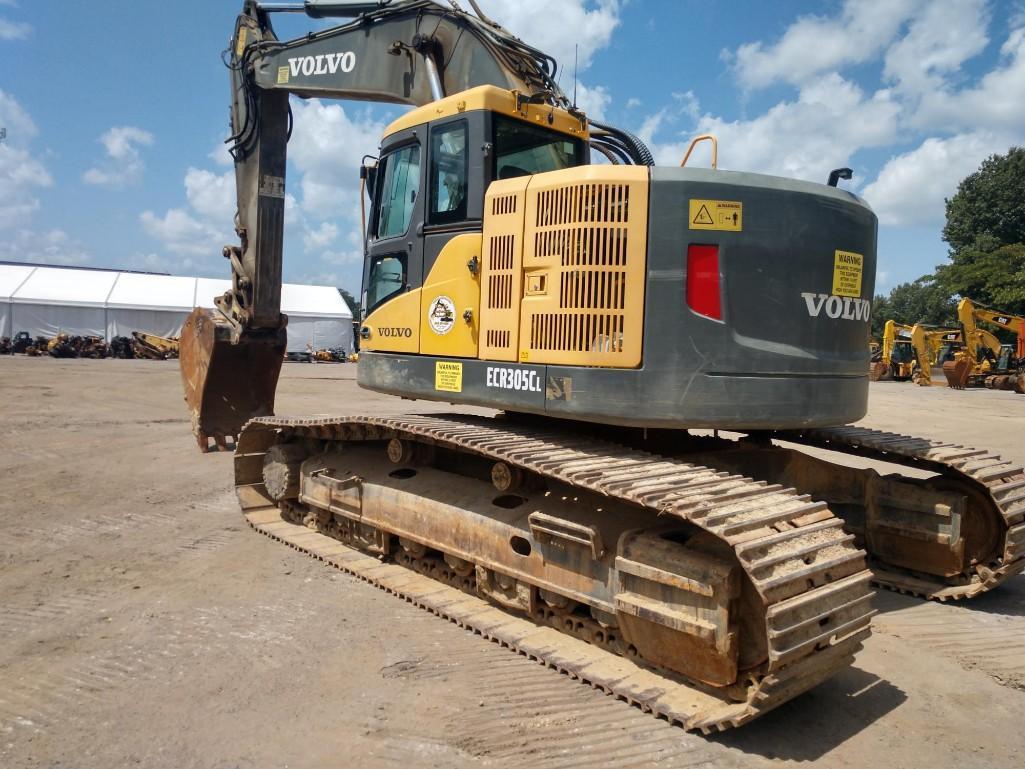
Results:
<point x="142" y="623"/>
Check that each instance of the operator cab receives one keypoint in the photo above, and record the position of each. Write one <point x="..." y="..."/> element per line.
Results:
<point x="435" y="167"/>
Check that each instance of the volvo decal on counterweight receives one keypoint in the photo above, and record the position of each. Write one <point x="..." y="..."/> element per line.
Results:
<point x="833" y="306"/>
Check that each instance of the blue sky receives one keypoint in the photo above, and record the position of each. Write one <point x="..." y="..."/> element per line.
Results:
<point x="115" y="112"/>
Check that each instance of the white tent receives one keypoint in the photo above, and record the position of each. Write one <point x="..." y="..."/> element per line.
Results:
<point x="313" y="313"/>
<point x="48" y="300"/>
<point x="11" y="278"/>
<point x="54" y="300"/>
<point x="154" y="303"/>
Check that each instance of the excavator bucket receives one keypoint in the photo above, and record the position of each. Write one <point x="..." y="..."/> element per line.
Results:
<point x="957" y="371"/>
<point x="227" y="384"/>
<point x="877" y="370"/>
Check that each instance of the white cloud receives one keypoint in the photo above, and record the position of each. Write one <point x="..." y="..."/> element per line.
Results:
<point x="343" y="258"/>
<point x="123" y="164"/>
<point x="203" y="227"/>
<point x="910" y="189"/>
<point x="939" y="39"/>
<point x="593" y="101"/>
<point x="211" y="195"/>
<point x="997" y="101"/>
<point x="21" y="173"/>
<point x="206" y="225"/>
<point x="321" y="237"/>
<point x="14" y="30"/>
<point x="805" y="138"/>
<point x="177" y="265"/>
<point x="328" y="143"/>
<point x="556" y="30"/>
<point x="19" y="124"/>
<point x="815" y="44"/>
<point x="49" y="247"/>
<point x="182" y="232"/>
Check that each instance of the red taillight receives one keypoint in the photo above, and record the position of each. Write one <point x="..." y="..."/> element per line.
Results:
<point x="703" y="292"/>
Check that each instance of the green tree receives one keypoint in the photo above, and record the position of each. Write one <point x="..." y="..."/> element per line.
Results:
<point x="995" y="278"/>
<point x="921" y="301"/>
<point x="986" y="232"/>
<point x="351" y="301"/>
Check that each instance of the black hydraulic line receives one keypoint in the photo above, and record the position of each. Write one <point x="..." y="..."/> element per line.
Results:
<point x="639" y="152"/>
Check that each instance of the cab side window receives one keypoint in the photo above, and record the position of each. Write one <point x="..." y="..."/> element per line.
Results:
<point x="448" y="172"/>
<point x="387" y="278"/>
<point x="399" y="187"/>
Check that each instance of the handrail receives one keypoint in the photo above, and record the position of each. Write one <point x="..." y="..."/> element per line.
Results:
<point x="694" y="143"/>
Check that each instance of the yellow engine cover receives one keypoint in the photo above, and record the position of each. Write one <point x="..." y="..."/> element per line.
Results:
<point x="564" y="266"/>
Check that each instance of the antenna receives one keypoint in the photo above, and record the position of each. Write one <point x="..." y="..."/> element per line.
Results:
<point x="575" y="47"/>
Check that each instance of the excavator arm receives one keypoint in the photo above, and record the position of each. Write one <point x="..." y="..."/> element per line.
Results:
<point x="926" y="343"/>
<point x="401" y="51"/>
<point x="982" y="348"/>
<point x="969" y="312"/>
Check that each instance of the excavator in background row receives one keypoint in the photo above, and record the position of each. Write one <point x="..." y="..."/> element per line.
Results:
<point x="604" y="309"/>
<point x="985" y="361"/>
<point x="910" y="352"/>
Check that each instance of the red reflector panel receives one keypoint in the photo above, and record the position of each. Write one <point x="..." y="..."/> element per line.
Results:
<point x="703" y="292"/>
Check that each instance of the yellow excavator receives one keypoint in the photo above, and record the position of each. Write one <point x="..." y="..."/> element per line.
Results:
<point x="910" y="352"/>
<point x="985" y="361"/>
<point x="524" y="257"/>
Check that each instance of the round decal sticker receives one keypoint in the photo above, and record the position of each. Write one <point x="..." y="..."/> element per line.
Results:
<point x="442" y="315"/>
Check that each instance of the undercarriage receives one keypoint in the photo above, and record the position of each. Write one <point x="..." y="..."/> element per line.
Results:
<point x="702" y="596"/>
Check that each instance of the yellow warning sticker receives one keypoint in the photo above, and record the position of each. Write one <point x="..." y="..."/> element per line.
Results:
<point x="725" y="215"/>
<point x="847" y="268"/>
<point x="282" y="75"/>
<point x="448" y="376"/>
<point x="241" y="44"/>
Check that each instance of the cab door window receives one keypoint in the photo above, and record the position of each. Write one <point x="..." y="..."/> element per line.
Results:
<point x="398" y="190"/>
<point x="387" y="279"/>
<point x="448" y="173"/>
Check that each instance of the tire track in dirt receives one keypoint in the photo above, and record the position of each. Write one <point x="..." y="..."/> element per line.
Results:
<point x="986" y="633"/>
<point x="41" y="692"/>
<point x="528" y="713"/>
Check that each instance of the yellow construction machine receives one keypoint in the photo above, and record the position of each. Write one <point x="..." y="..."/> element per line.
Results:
<point x="910" y="352"/>
<point x="985" y="361"/>
<point x="604" y="309"/>
<point x="153" y="346"/>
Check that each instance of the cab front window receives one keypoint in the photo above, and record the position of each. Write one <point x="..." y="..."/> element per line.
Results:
<point x="522" y="149"/>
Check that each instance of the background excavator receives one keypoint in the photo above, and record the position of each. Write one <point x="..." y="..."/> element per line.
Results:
<point x="910" y="352"/>
<point x="985" y="361"/>
<point x="604" y="309"/>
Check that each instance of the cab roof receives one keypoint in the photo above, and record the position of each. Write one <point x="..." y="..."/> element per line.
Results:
<point x="493" y="99"/>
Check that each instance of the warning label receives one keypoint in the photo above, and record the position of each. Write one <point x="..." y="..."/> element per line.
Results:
<point x="725" y="215"/>
<point x="448" y="377"/>
<point x="847" y="268"/>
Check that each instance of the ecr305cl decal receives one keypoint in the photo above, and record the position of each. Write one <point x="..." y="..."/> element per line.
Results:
<point x="513" y="379"/>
